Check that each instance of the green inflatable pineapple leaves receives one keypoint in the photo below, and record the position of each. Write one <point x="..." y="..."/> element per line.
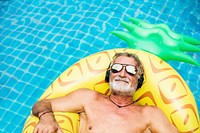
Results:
<point x="158" y="40"/>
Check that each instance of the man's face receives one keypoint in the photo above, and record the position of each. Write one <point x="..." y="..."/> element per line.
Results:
<point x="122" y="82"/>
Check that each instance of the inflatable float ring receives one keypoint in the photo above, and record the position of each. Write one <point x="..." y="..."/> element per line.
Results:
<point x="162" y="87"/>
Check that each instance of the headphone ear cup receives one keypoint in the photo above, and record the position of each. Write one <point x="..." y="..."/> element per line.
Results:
<point x="107" y="77"/>
<point x="140" y="81"/>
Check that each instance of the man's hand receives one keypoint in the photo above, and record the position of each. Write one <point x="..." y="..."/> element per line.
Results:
<point x="47" y="124"/>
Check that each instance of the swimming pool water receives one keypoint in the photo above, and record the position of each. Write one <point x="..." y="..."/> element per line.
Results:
<point x="40" y="39"/>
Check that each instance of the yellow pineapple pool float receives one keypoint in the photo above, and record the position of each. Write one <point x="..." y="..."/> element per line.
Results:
<point x="162" y="87"/>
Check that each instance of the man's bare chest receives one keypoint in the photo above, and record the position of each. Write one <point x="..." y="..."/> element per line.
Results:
<point x="112" y="120"/>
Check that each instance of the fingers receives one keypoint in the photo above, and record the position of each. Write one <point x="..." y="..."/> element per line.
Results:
<point x="43" y="129"/>
<point x="47" y="129"/>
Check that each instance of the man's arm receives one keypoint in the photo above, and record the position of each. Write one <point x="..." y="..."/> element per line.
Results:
<point x="158" y="122"/>
<point x="41" y="108"/>
<point x="73" y="102"/>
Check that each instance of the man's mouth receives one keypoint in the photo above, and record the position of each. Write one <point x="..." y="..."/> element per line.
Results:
<point x="122" y="80"/>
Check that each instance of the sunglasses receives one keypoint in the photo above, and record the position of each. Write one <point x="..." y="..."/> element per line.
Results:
<point x="130" y="69"/>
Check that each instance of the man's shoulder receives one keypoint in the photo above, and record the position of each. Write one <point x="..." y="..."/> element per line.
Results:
<point x="87" y="93"/>
<point x="152" y="111"/>
<point x="148" y="109"/>
<point x="88" y="96"/>
<point x="85" y="90"/>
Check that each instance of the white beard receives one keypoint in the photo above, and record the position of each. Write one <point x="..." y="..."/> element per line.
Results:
<point x="122" y="87"/>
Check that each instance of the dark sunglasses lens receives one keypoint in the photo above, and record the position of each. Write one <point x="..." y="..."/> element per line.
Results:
<point x="116" y="68"/>
<point x="131" y="70"/>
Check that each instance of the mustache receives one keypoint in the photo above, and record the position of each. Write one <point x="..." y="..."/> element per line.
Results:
<point x="121" y="79"/>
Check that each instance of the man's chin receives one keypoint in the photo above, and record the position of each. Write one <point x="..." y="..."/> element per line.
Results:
<point x="121" y="93"/>
<point x="121" y="88"/>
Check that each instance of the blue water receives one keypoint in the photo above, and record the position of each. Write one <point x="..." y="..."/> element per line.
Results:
<point x="40" y="39"/>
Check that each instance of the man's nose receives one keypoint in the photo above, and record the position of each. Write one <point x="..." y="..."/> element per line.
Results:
<point x="123" y="72"/>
